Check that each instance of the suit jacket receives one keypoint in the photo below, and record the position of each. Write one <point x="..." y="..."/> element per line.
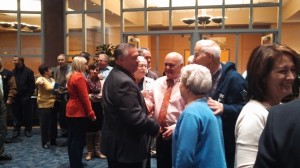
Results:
<point x="279" y="142"/>
<point x="126" y="128"/>
<point x="151" y="74"/>
<point x="25" y="82"/>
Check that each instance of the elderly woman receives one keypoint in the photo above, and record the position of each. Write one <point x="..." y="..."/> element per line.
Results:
<point x="143" y="82"/>
<point x="78" y="111"/>
<point x="197" y="139"/>
<point x="271" y="71"/>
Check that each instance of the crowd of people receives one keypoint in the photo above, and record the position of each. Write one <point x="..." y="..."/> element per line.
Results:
<point x="204" y="114"/>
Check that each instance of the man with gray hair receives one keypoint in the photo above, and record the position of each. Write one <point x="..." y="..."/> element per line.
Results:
<point x="145" y="52"/>
<point x="228" y="93"/>
<point x="126" y="129"/>
<point x="103" y="61"/>
<point x="60" y="74"/>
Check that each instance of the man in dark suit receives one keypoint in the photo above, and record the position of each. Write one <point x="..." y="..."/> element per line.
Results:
<point x="126" y="128"/>
<point x="279" y="142"/>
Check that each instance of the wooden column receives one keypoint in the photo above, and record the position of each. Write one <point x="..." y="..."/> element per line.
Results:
<point x="54" y="30"/>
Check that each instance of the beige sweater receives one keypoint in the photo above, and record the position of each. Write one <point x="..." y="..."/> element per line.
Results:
<point x="45" y="98"/>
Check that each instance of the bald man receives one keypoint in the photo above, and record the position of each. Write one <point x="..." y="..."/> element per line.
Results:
<point x="173" y="65"/>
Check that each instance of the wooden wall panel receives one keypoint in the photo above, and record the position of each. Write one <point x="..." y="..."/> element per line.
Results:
<point x="32" y="62"/>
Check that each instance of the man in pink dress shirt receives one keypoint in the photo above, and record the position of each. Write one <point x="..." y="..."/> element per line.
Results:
<point x="173" y="65"/>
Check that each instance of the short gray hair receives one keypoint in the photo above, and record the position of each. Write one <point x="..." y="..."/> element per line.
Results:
<point x="121" y="50"/>
<point x="210" y="46"/>
<point x="105" y="56"/>
<point x="197" y="78"/>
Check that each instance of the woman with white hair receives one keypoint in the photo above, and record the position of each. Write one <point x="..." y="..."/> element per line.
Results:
<point x="197" y="139"/>
<point x="143" y="82"/>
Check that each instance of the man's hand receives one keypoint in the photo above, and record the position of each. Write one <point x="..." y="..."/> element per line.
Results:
<point x="9" y="101"/>
<point x="215" y="106"/>
<point x="167" y="132"/>
<point x="94" y="119"/>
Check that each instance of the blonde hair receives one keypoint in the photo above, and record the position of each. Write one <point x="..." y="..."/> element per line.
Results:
<point x="78" y="65"/>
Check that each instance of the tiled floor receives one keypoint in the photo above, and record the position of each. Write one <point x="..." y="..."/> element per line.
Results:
<point x="28" y="153"/>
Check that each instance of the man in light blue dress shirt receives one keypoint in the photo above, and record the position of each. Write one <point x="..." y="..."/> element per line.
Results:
<point x="105" y="69"/>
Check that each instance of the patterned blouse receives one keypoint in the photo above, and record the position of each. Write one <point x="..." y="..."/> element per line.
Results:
<point x="95" y="89"/>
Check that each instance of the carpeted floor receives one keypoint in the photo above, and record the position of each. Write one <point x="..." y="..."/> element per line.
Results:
<point x="28" y="153"/>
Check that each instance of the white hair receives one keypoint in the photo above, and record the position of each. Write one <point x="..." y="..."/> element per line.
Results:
<point x="210" y="46"/>
<point x="142" y="59"/>
<point x="197" y="78"/>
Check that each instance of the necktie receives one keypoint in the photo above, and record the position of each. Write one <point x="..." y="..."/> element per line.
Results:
<point x="164" y="106"/>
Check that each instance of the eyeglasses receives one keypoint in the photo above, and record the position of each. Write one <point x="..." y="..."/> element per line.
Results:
<point x="170" y="65"/>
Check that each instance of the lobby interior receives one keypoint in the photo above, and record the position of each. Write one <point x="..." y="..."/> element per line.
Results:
<point x="40" y="30"/>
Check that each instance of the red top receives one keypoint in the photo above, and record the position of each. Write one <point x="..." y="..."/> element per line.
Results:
<point x="79" y="104"/>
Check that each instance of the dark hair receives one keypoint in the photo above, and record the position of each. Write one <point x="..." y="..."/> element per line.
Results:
<point x="21" y="59"/>
<point x="86" y="55"/>
<point x="260" y="65"/>
<point x="121" y="50"/>
<point x="43" y="68"/>
<point x="92" y="66"/>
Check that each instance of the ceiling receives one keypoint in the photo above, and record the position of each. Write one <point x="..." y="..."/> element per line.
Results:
<point x="268" y="18"/>
<point x="157" y="18"/>
<point x="176" y="3"/>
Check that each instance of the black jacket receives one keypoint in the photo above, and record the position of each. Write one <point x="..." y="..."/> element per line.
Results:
<point x="126" y="128"/>
<point x="25" y="81"/>
<point x="279" y="142"/>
